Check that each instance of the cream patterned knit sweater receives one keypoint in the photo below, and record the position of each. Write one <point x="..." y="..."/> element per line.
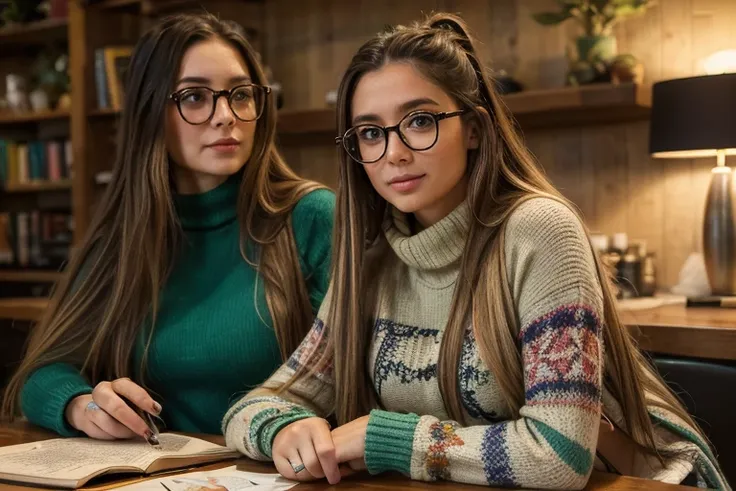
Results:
<point x="558" y="299"/>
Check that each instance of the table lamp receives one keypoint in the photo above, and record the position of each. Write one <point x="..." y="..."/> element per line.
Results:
<point x="695" y="117"/>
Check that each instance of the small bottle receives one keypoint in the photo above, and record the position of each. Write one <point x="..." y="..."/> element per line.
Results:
<point x="648" y="276"/>
<point x="629" y="273"/>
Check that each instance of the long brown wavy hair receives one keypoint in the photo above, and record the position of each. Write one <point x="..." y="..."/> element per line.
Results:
<point x="502" y="175"/>
<point x="111" y="285"/>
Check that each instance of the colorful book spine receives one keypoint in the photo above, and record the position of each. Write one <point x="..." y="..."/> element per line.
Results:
<point x="53" y="158"/>
<point x="101" y="79"/>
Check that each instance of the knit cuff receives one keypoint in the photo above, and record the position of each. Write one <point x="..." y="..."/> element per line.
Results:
<point x="389" y="441"/>
<point x="47" y="393"/>
<point x="271" y="428"/>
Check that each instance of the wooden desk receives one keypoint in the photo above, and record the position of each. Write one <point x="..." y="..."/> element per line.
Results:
<point x="23" y="433"/>
<point x="670" y="329"/>
<point x="674" y="329"/>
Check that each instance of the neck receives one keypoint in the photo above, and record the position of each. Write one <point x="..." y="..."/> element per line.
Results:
<point x="188" y="181"/>
<point x="430" y="215"/>
<point x="210" y="209"/>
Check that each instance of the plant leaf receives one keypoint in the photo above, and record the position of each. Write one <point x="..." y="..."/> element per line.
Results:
<point x="551" y="18"/>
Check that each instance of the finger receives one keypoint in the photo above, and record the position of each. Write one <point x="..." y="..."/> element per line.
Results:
<point x="136" y="394"/>
<point x="105" y="397"/>
<point x="284" y="466"/>
<point x="107" y="423"/>
<point x="308" y="457"/>
<point x="93" y="431"/>
<point x="325" y="450"/>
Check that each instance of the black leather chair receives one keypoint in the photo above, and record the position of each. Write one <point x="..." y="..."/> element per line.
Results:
<point x="708" y="389"/>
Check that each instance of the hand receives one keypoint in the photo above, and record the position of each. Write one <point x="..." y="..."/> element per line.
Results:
<point x="105" y="416"/>
<point x="349" y="440"/>
<point x="307" y="442"/>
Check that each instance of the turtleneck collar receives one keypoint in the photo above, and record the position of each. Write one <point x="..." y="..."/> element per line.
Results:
<point x="433" y="248"/>
<point x="211" y="209"/>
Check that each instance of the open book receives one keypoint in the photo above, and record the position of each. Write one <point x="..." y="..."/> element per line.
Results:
<point x="72" y="462"/>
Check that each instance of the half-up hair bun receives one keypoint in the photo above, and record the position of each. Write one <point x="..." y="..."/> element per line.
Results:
<point x="453" y="24"/>
<point x="448" y="22"/>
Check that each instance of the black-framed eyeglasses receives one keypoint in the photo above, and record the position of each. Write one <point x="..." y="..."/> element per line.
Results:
<point x="197" y="104"/>
<point x="418" y="130"/>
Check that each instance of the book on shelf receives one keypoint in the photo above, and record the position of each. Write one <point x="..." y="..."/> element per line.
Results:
<point x="22" y="162"/>
<point x="111" y="64"/>
<point x="37" y="239"/>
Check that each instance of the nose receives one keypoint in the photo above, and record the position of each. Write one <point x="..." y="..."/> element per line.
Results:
<point x="223" y="115"/>
<point x="397" y="153"/>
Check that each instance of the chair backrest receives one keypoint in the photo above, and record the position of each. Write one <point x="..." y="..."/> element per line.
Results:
<point x="708" y="389"/>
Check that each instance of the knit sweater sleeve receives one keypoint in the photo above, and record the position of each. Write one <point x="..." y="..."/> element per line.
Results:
<point x="558" y="300"/>
<point x="253" y="422"/>
<point x="47" y="392"/>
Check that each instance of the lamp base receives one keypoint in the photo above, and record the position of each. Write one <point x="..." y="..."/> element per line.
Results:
<point x="719" y="232"/>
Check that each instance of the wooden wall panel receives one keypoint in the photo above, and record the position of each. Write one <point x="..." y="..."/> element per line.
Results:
<point x="606" y="171"/>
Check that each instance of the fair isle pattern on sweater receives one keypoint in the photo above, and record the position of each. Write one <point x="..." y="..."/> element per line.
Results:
<point x="558" y="302"/>
<point x="562" y="348"/>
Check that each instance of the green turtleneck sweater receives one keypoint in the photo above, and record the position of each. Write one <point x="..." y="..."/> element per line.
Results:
<point x="214" y="338"/>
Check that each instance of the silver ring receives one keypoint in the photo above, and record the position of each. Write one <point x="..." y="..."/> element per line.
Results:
<point x="297" y="469"/>
<point x="92" y="406"/>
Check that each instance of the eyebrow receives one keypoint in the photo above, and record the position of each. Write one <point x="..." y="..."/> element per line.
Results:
<point x="403" y="108"/>
<point x="205" y="80"/>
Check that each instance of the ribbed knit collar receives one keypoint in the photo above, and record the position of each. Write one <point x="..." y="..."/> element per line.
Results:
<point x="433" y="248"/>
<point x="211" y="209"/>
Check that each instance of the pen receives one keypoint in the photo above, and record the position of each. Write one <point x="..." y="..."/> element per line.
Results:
<point x="148" y="419"/>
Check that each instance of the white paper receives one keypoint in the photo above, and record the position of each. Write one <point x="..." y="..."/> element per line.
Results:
<point x="227" y="479"/>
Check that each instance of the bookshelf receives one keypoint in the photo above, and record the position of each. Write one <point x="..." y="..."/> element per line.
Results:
<point x="29" y="276"/>
<point x="11" y="119"/>
<point x="40" y="195"/>
<point x="36" y="33"/>
<point x="39" y="186"/>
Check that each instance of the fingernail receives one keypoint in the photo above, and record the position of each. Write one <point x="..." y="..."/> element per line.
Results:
<point x="156" y="407"/>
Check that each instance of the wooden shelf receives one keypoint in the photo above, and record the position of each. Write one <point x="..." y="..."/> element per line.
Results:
<point x="39" y="186"/>
<point x="8" y="118"/>
<point x="34" y="33"/>
<point x="22" y="309"/>
<point x="145" y="7"/>
<point x="534" y="109"/>
<point x="29" y="275"/>
<point x="107" y="112"/>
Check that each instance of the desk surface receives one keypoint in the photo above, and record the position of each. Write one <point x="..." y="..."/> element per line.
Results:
<point x="23" y="433"/>
<point x="674" y="329"/>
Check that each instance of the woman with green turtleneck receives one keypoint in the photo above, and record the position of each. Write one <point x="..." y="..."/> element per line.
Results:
<point x="206" y="262"/>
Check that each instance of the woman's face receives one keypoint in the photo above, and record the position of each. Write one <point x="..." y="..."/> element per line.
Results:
<point x="204" y="155"/>
<point x="428" y="183"/>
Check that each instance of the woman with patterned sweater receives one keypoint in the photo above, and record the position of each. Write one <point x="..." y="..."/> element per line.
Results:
<point x="469" y="333"/>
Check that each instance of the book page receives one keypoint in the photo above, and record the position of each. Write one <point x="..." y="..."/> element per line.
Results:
<point x="77" y="458"/>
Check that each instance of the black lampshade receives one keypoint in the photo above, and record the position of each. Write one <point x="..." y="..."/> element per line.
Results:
<point x="693" y="116"/>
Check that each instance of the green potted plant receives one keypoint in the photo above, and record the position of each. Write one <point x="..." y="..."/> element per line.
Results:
<point x="21" y="11"/>
<point x="595" y="50"/>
